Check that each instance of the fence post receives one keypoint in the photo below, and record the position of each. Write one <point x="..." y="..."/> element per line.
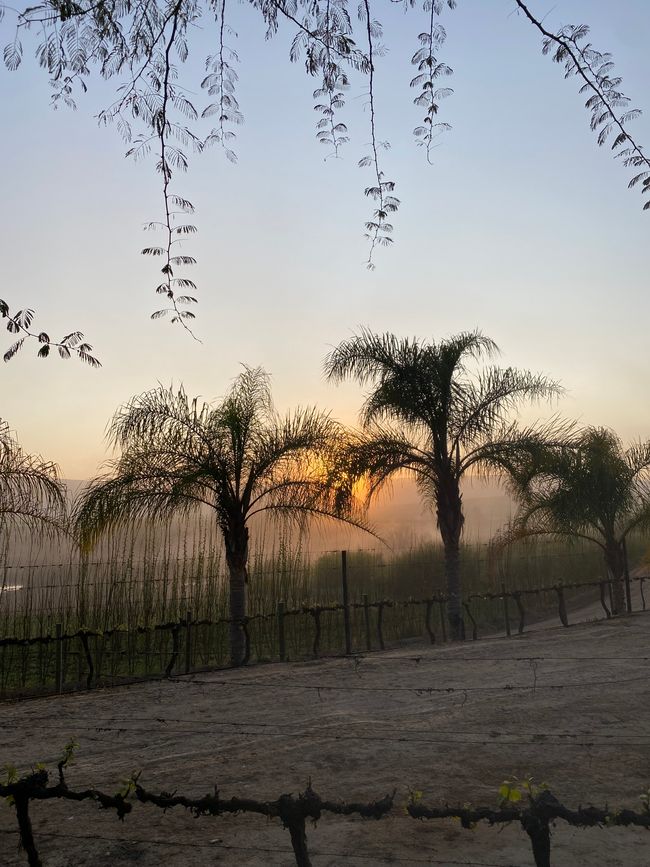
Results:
<point x="188" y="642"/>
<point x="427" y="622"/>
<point x="522" y="613"/>
<point x="611" y="592"/>
<point x="172" y="660"/>
<point x="628" y="593"/>
<point x="506" y="613"/>
<point x="83" y="638"/>
<point x="608" y="613"/>
<point x="561" y="605"/>
<point x="315" y="613"/>
<point x="346" y="603"/>
<point x="58" y="664"/>
<point x="366" y="617"/>
<point x="380" y="625"/>
<point x="147" y="652"/>
<point x="443" y="625"/>
<point x="281" y="641"/>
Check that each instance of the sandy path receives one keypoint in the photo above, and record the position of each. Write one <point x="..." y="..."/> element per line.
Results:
<point x="569" y="706"/>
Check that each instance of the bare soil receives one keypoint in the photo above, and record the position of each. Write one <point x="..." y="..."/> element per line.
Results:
<point x="567" y="706"/>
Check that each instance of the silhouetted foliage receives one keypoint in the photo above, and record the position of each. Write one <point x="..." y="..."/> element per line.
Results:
<point x="239" y="458"/>
<point x="19" y="323"/>
<point x="592" y="488"/>
<point x="31" y="495"/>
<point x="141" y="44"/>
<point x="428" y="415"/>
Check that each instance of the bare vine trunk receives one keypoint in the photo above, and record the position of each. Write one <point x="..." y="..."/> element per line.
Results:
<point x="450" y="523"/>
<point x="236" y="541"/>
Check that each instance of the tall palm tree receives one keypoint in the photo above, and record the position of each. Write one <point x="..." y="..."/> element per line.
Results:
<point x="32" y="497"/>
<point x="594" y="489"/>
<point x="239" y="458"/>
<point x="428" y="415"/>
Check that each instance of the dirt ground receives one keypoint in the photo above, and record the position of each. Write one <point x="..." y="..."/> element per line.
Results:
<point x="567" y="706"/>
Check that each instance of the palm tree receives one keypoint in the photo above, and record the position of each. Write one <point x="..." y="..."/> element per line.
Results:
<point x="239" y="458"/>
<point x="31" y="495"/>
<point x="426" y="414"/>
<point x="594" y="489"/>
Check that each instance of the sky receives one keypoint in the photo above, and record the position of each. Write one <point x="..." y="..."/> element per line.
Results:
<point x="522" y="227"/>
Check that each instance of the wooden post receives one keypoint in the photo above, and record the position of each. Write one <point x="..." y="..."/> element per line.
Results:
<point x="443" y="625"/>
<point x="147" y="652"/>
<point x="608" y="613"/>
<point x="506" y="613"/>
<point x="188" y="642"/>
<point x="346" y="603"/>
<point x="281" y="641"/>
<point x="561" y="605"/>
<point x="172" y="660"/>
<point x="628" y="593"/>
<point x="58" y="664"/>
<point x="115" y="655"/>
<point x="522" y="613"/>
<point x="83" y="638"/>
<point x="380" y="625"/>
<point x="315" y="613"/>
<point x="427" y="622"/>
<point x="366" y="617"/>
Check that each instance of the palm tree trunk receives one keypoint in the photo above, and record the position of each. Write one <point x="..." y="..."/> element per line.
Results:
<point x="450" y="522"/>
<point x="614" y="559"/>
<point x="454" y="606"/>
<point x="236" y="541"/>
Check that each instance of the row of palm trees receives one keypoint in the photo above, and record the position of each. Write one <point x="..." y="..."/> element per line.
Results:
<point x="434" y="410"/>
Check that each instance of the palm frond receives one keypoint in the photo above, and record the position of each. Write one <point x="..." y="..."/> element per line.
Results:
<point x="239" y="457"/>
<point x="31" y="493"/>
<point x="590" y="485"/>
<point x="485" y="404"/>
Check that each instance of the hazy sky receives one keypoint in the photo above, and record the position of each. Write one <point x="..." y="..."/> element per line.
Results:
<point x="522" y="227"/>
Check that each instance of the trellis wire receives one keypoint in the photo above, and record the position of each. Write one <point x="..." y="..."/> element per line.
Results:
<point x="54" y="655"/>
<point x="535" y="815"/>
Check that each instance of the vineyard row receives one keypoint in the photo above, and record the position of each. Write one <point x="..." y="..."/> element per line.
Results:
<point x="174" y="647"/>
<point x="534" y="809"/>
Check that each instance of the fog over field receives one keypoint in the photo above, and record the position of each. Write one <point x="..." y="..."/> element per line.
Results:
<point x="403" y="520"/>
<point x="399" y="517"/>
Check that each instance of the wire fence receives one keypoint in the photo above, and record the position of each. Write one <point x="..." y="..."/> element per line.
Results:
<point x="65" y="660"/>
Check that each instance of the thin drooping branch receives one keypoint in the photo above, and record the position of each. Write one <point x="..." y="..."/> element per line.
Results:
<point x="428" y="71"/>
<point x="19" y="323"/>
<point x="135" y="42"/>
<point x="131" y="90"/>
<point x="378" y="230"/>
<point x="605" y="99"/>
<point x="167" y="287"/>
<point x="357" y="59"/>
<point x="221" y="82"/>
<point x="334" y="79"/>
